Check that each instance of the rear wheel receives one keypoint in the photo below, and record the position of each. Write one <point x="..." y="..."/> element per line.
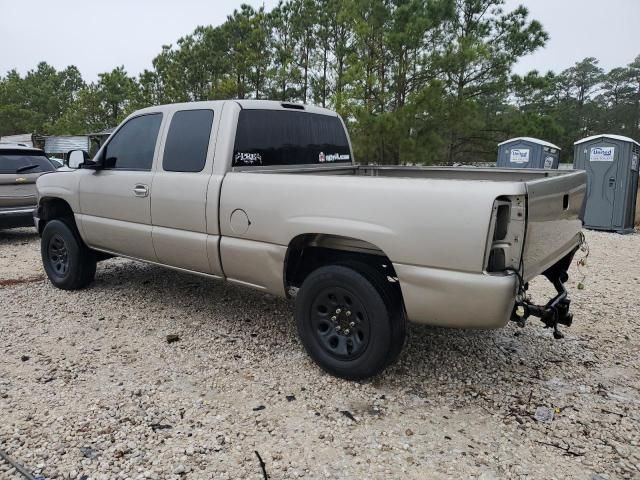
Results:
<point x="68" y="262"/>
<point x="346" y="323"/>
<point x="393" y="300"/>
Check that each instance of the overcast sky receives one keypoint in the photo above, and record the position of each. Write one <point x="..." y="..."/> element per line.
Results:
<point x="130" y="33"/>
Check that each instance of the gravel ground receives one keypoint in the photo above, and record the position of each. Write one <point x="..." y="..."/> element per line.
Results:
<point x="90" y="388"/>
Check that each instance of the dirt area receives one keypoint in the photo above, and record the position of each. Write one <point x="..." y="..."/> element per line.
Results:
<point x="19" y="256"/>
<point x="91" y="389"/>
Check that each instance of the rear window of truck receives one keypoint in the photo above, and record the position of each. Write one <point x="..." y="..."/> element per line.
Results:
<point x="24" y="161"/>
<point x="276" y="137"/>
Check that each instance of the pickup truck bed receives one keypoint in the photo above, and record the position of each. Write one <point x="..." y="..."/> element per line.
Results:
<point x="437" y="241"/>
<point x="554" y="200"/>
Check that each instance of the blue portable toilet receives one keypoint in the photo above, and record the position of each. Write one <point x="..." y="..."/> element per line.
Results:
<point x="528" y="152"/>
<point x="611" y="163"/>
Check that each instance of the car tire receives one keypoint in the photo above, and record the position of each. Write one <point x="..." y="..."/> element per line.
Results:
<point x="68" y="262"/>
<point x="395" y="306"/>
<point x="345" y="322"/>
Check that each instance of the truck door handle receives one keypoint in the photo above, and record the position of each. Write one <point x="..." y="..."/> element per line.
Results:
<point x="612" y="182"/>
<point x="141" y="190"/>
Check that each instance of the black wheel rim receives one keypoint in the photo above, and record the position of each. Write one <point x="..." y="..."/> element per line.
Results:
<point x="58" y="255"/>
<point x="340" y="323"/>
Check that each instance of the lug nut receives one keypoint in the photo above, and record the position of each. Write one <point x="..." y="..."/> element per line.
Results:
<point x="348" y="313"/>
<point x="334" y="318"/>
<point x="338" y="311"/>
<point x="346" y="332"/>
<point x="352" y="324"/>
<point x="337" y="328"/>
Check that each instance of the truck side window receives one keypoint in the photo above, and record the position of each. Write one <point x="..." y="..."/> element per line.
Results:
<point x="188" y="141"/>
<point x="277" y="137"/>
<point x="133" y="145"/>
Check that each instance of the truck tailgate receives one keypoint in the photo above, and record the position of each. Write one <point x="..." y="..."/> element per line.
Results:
<point x="554" y="220"/>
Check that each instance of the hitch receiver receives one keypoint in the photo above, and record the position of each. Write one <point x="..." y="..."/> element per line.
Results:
<point x="556" y="311"/>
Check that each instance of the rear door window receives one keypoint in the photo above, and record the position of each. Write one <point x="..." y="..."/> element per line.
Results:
<point x="188" y="141"/>
<point x="19" y="161"/>
<point x="281" y="137"/>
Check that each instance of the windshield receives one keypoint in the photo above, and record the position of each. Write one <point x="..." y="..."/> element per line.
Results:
<point x="16" y="161"/>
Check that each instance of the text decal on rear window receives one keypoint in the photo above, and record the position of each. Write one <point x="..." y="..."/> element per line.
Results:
<point x="245" y="158"/>
<point x="333" y="157"/>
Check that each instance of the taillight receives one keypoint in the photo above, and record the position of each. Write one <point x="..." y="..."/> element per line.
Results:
<point x="506" y="234"/>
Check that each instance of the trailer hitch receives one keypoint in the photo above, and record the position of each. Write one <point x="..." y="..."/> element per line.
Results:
<point x="556" y="311"/>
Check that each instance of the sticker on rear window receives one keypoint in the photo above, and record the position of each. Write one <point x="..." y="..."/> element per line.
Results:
<point x="245" y="158"/>
<point x="334" y="157"/>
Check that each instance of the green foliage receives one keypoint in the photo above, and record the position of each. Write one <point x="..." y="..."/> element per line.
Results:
<point x="35" y="102"/>
<point x="417" y="81"/>
<point x="99" y="105"/>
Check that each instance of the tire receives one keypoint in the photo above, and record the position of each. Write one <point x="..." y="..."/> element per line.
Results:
<point x="393" y="299"/>
<point x="68" y="262"/>
<point x="345" y="323"/>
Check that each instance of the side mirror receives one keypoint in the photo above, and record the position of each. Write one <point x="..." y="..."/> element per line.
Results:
<point x="76" y="158"/>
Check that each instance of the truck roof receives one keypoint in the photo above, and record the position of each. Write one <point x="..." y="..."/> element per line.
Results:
<point x="245" y="104"/>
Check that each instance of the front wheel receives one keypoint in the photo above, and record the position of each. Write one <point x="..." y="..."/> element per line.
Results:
<point x="345" y="323"/>
<point x="68" y="262"/>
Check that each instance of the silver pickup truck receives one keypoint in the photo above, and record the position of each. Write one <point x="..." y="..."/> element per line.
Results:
<point x="267" y="195"/>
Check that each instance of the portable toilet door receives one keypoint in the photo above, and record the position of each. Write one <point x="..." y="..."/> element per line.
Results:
<point x="611" y="163"/>
<point x="632" y="187"/>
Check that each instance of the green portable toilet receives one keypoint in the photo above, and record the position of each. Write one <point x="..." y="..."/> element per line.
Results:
<point x="611" y="163"/>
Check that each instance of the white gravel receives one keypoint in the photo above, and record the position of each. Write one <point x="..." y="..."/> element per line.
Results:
<point x="102" y="395"/>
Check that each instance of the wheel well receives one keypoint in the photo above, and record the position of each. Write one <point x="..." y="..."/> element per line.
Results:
<point x="51" y="208"/>
<point x="308" y="252"/>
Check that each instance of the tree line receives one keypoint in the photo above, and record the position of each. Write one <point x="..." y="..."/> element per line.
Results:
<point x="418" y="81"/>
